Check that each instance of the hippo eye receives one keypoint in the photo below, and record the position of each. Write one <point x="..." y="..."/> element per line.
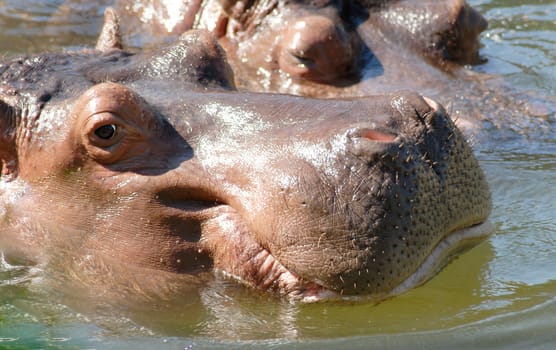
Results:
<point x="106" y="132"/>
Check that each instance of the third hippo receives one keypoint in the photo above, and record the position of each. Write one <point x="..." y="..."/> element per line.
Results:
<point x="154" y="165"/>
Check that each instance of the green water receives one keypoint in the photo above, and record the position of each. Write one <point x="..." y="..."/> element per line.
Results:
<point x="500" y="295"/>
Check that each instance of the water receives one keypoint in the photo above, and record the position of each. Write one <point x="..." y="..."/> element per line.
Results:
<point x="500" y="295"/>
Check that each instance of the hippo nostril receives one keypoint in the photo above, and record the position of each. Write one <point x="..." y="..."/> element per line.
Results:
<point x="417" y="113"/>
<point x="368" y="142"/>
<point x="438" y="116"/>
<point x="374" y="135"/>
<point x="433" y="104"/>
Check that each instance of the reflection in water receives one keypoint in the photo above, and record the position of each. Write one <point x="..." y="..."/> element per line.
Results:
<point x="499" y="295"/>
<point x="235" y="312"/>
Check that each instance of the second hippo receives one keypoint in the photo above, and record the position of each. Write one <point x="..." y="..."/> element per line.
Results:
<point x="347" y="48"/>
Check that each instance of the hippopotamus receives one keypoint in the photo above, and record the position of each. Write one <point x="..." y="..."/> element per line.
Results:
<point x="154" y="164"/>
<point x="318" y="47"/>
<point x="347" y="48"/>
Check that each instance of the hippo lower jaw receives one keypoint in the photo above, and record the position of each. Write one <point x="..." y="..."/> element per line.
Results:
<point x="238" y="256"/>
<point x="272" y="275"/>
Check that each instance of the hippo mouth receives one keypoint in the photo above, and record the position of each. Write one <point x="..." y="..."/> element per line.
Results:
<point x="267" y="273"/>
<point x="238" y="256"/>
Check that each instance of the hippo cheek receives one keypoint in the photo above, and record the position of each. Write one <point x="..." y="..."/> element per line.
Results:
<point x="317" y="49"/>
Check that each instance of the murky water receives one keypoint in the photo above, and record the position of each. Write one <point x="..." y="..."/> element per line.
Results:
<point x="500" y="295"/>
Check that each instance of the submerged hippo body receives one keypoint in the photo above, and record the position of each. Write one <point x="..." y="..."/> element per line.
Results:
<point x="153" y="163"/>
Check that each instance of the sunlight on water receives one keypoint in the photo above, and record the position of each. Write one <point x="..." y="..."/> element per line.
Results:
<point x="499" y="295"/>
<point x="520" y="42"/>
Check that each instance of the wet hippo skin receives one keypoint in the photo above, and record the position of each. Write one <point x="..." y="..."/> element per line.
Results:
<point x="154" y="163"/>
<point x="287" y="46"/>
<point x="332" y="49"/>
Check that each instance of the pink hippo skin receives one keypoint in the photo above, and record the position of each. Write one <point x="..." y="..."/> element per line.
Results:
<point x="125" y="171"/>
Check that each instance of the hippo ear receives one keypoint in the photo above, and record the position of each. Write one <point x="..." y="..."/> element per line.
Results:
<point x="8" y="154"/>
<point x="110" y="37"/>
<point x="196" y="57"/>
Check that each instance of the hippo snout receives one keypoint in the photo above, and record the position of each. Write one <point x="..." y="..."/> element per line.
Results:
<point x="357" y="204"/>
<point x="318" y="49"/>
<point x="410" y="120"/>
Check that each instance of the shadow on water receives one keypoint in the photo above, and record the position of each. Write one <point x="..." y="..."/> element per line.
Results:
<point x="498" y="295"/>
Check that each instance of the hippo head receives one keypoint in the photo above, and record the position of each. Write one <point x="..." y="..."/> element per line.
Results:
<point x="318" y="48"/>
<point x="276" y="40"/>
<point x="281" y="40"/>
<point x="155" y="162"/>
